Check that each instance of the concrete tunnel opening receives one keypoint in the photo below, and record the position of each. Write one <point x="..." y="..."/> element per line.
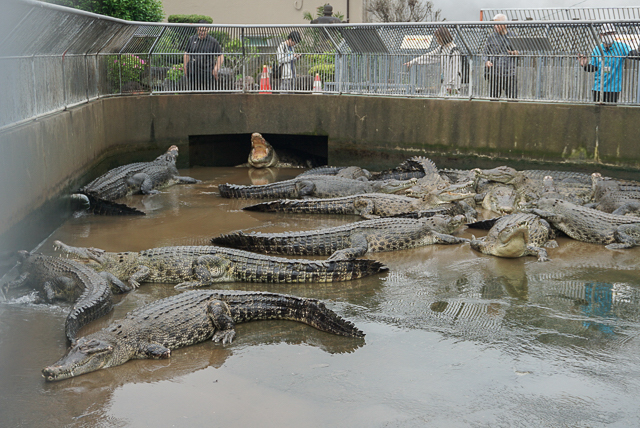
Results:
<point x="224" y="150"/>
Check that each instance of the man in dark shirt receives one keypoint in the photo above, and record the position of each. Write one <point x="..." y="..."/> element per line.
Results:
<point x="500" y="61"/>
<point x="202" y="59"/>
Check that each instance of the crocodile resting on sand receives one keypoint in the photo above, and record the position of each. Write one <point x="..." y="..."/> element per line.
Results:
<point x="517" y="235"/>
<point x="197" y="266"/>
<point x="61" y="279"/>
<point x="139" y="177"/>
<point x="317" y="186"/>
<point x="153" y="330"/>
<point x="351" y="240"/>
<point x="590" y="225"/>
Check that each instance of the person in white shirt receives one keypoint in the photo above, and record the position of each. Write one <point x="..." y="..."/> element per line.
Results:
<point x="449" y="57"/>
<point x="287" y="58"/>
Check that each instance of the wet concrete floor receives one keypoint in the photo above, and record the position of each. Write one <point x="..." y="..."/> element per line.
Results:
<point x="454" y="338"/>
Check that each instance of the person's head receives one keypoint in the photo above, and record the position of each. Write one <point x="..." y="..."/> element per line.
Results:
<point x="443" y="36"/>
<point x="500" y="29"/>
<point x="293" y="38"/>
<point x="608" y="34"/>
<point x="202" y="30"/>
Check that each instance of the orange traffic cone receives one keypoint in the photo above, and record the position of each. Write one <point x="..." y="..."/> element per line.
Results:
<point x="317" y="85"/>
<point x="265" y="83"/>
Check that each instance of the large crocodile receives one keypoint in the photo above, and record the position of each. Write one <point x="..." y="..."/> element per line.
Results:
<point x="61" y="279"/>
<point x="590" y="225"/>
<point x="368" y="205"/>
<point x="351" y="240"/>
<point x="517" y="235"/>
<point x="139" y="177"/>
<point x="153" y="330"/>
<point x="317" y="186"/>
<point x="197" y="266"/>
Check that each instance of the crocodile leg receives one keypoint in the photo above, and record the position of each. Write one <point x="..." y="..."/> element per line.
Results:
<point x="305" y="188"/>
<point x="20" y="281"/>
<point x="144" y="182"/>
<point x="116" y="285"/>
<point x="626" y="236"/>
<point x="632" y="207"/>
<point x="206" y="268"/>
<point x="220" y="315"/>
<point x="58" y="288"/>
<point x="153" y="351"/>
<point x="187" y="180"/>
<point x="139" y="276"/>
<point x="442" y="238"/>
<point x="359" y="247"/>
<point x="539" y="252"/>
<point x="365" y="208"/>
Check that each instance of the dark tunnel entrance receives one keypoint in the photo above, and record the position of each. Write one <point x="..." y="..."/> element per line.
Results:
<point x="233" y="149"/>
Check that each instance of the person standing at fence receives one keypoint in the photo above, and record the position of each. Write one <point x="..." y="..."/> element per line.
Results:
<point x="608" y="76"/>
<point x="449" y="57"/>
<point x="500" y="61"/>
<point x="202" y="59"/>
<point x="286" y="57"/>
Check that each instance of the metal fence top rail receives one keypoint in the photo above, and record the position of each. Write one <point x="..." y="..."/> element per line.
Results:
<point x="564" y="13"/>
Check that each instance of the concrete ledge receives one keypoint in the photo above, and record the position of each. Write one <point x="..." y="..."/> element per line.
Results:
<point x="48" y="157"/>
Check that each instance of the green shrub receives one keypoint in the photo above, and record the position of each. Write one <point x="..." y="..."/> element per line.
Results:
<point x="122" y="69"/>
<point x="326" y="71"/>
<point x="176" y="72"/>
<point x="189" y="19"/>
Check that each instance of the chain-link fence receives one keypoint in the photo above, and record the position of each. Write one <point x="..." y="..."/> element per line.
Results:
<point x="52" y="58"/>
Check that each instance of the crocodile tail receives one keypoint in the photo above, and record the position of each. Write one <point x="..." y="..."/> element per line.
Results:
<point x="103" y="207"/>
<point x="89" y="307"/>
<point x="235" y="240"/>
<point x="343" y="205"/>
<point x="274" y="190"/>
<point x="345" y="270"/>
<point x="261" y="306"/>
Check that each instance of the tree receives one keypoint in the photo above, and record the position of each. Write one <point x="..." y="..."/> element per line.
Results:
<point x="320" y="12"/>
<point x="130" y="10"/>
<point x="403" y="11"/>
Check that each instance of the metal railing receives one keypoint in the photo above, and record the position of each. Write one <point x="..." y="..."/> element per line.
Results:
<point x="52" y="58"/>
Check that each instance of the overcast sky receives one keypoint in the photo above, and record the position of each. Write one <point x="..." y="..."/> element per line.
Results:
<point x="469" y="10"/>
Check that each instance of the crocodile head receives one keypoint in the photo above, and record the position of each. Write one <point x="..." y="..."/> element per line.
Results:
<point x="262" y="155"/>
<point x="500" y="199"/>
<point x="510" y="242"/>
<point x="393" y="186"/>
<point x="501" y="174"/>
<point x="85" y="355"/>
<point x="170" y="155"/>
<point x="445" y="223"/>
<point x="82" y="254"/>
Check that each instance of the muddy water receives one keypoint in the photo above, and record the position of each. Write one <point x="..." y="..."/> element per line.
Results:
<point x="453" y="338"/>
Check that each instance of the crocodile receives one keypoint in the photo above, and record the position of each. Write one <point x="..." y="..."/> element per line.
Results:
<point x="153" y="330"/>
<point x="354" y="172"/>
<point x="263" y="155"/>
<point x="529" y="185"/>
<point x="61" y="279"/>
<point x="200" y="265"/>
<point x="517" y="235"/>
<point x="588" y="224"/>
<point x="318" y="186"/>
<point x="608" y="196"/>
<point x="351" y="240"/>
<point x="410" y="168"/>
<point x="139" y="177"/>
<point x="368" y="205"/>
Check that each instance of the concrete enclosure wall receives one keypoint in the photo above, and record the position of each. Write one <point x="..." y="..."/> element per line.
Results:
<point x="47" y="158"/>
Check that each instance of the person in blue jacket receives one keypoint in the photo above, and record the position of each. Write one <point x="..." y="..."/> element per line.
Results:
<point x="607" y="61"/>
